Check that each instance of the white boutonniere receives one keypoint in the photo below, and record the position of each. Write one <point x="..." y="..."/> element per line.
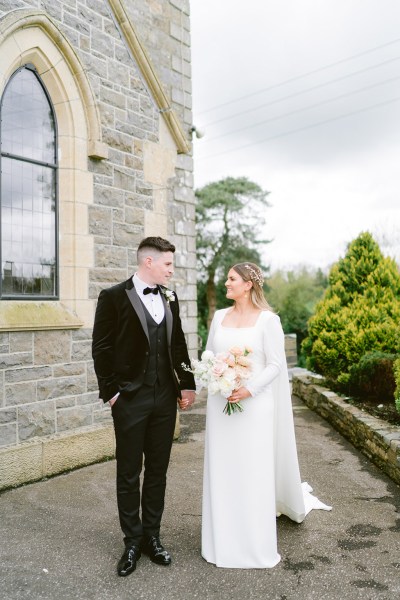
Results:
<point x="169" y="295"/>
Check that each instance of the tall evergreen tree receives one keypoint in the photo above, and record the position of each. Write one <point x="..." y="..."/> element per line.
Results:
<point x="359" y="313"/>
<point x="229" y="215"/>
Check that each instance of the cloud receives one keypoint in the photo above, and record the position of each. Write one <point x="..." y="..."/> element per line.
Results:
<point x="325" y="140"/>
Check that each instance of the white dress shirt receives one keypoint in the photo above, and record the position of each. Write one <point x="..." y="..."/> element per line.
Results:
<point x="153" y="302"/>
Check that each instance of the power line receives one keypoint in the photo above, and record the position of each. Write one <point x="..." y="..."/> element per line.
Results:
<point x="297" y="77"/>
<point x="300" y="129"/>
<point x="295" y="94"/>
<point x="300" y="110"/>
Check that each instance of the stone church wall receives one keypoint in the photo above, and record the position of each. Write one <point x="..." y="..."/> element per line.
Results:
<point x="118" y="74"/>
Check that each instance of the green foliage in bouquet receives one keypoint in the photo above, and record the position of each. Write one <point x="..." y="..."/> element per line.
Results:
<point x="373" y="377"/>
<point x="359" y="313"/>
<point x="396" y="368"/>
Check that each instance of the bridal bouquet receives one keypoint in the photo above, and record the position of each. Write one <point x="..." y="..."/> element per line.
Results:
<point x="222" y="373"/>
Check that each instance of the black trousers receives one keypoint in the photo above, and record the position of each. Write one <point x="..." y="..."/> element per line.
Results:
<point x="144" y="429"/>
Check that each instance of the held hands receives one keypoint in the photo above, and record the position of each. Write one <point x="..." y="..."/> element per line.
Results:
<point x="239" y="394"/>
<point x="187" y="399"/>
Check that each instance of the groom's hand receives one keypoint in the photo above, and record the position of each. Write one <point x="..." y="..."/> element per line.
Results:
<point x="187" y="399"/>
<point x="113" y="400"/>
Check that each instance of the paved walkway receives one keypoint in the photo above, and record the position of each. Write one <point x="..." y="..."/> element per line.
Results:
<point x="60" y="539"/>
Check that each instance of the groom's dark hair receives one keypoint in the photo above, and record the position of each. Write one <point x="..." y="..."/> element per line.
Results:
<point x="155" y="243"/>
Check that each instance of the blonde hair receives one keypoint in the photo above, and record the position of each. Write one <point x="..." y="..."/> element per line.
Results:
<point x="250" y="272"/>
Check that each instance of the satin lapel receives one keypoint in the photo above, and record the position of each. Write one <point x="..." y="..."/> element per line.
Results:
<point x="138" y="306"/>
<point x="168" y="318"/>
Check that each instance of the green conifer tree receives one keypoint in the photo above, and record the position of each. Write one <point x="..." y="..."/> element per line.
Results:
<point x="360" y="311"/>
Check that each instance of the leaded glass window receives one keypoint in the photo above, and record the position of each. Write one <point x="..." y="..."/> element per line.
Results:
<point x="28" y="189"/>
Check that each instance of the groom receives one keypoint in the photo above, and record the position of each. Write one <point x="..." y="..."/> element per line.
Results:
<point x="138" y="350"/>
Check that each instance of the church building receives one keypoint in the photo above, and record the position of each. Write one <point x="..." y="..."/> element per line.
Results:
<point x="95" y="138"/>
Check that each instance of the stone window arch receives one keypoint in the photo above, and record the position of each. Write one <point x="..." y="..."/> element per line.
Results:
<point x="28" y="140"/>
<point x="30" y="37"/>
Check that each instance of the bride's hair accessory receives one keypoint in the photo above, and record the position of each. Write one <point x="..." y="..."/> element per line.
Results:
<point x="255" y="276"/>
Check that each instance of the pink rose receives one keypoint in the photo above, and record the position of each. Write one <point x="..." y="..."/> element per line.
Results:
<point x="236" y="351"/>
<point x="219" y="367"/>
<point x="242" y="372"/>
<point x="243" y="361"/>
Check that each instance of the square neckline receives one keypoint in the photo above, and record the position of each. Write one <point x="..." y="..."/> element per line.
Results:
<point x="248" y="327"/>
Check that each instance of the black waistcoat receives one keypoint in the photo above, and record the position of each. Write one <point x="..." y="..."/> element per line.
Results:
<point x="158" y="367"/>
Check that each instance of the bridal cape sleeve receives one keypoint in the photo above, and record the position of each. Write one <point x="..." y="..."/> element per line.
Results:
<point x="217" y="320"/>
<point x="292" y="497"/>
<point x="274" y="348"/>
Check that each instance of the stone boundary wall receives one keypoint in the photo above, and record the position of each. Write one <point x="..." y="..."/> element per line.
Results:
<point x="376" y="438"/>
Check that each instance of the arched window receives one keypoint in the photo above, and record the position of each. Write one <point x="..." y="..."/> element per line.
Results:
<point x="28" y="202"/>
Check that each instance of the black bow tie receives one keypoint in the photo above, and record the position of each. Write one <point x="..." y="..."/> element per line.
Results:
<point x="150" y="290"/>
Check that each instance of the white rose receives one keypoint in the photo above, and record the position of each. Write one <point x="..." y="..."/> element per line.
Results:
<point x="213" y="387"/>
<point x="225" y="387"/>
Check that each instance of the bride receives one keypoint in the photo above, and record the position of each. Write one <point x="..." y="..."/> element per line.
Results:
<point x="251" y="470"/>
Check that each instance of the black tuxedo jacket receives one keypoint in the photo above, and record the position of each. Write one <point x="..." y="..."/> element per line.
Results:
<point x="121" y="345"/>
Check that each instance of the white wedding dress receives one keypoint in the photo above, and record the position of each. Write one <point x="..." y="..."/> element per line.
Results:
<point x="251" y="471"/>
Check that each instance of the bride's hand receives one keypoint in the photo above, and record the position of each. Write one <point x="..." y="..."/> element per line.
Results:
<point x="238" y="395"/>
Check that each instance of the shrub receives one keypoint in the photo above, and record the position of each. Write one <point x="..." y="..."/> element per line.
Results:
<point x="359" y="313"/>
<point x="294" y="295"/>
<point x="396" y="368"/>
<point x="373" y="377"/>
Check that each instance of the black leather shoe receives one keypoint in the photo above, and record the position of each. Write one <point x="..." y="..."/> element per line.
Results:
<point x="156" y="551"/>
<point x="127" y="562"/>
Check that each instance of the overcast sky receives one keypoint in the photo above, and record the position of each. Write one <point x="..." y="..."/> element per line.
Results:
<point x="303" y="97"/>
